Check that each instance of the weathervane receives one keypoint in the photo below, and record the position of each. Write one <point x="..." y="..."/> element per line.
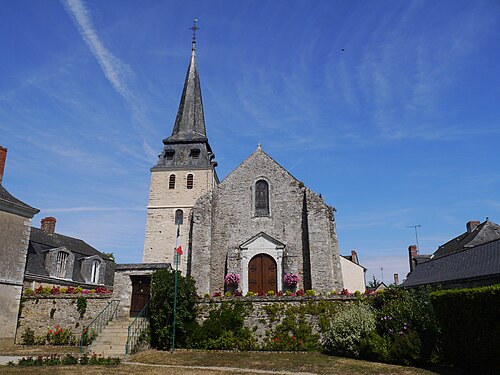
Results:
<point x="194" y="28"/>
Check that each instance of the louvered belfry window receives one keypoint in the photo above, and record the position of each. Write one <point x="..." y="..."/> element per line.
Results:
<point x="261" y="198"/>
<point x="189" y="181"/>
<point x="61" y="264"/>
<point x="171" y="181"/>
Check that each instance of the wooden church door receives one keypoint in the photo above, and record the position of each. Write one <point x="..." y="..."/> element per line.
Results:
<point x="262" y="274"/>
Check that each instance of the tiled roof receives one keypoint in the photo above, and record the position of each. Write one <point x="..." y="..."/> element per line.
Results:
<point x="475" y="262"/>
<point x="484" y="232"/>
<point x="12" y="204"/>
<point x="74" y="245"/>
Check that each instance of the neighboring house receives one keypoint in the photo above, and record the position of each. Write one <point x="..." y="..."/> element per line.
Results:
<point x="15" y="226"/>
<point x="380" y="286"/>
<point x="55" y="259"/>
<point x="353" y="274"/>
<point x="260" y="222"/>
<point x="468" y="260"/>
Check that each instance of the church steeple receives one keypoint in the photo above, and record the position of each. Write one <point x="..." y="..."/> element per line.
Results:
<point x="190" y="121"/>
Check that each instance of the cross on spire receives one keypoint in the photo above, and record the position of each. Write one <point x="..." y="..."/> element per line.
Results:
<point x="194" y="28"/>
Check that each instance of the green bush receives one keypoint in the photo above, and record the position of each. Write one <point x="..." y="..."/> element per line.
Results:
<point x="293" y="333"/>
<point x="161" y="307"/>
<point x="28" y="337"/>
<point x="402" y="314"/>
<point x="224" y="329"/>
<point x="471" y="326"/>
<point x="352" y="323"/>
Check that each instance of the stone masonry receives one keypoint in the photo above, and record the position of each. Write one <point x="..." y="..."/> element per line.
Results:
<point x="298" y="218"/>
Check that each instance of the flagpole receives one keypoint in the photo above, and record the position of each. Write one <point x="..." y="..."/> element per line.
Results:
<point x="177" y="256"/>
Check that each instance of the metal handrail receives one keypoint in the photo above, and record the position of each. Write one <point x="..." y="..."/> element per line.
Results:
<point x="136" y="328"/>
<point x="97" y="325"/>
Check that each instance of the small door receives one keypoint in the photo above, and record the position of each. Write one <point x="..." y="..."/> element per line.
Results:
<point x="140" y="293"/>
<point x="262" y="274"/>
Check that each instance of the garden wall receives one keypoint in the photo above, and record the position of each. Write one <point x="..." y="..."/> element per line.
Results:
<point x="265" y="314"/>
<point x="41" y="313"/>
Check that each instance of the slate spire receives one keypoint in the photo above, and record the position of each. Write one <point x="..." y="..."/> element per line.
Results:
<point x="190" y="121"/>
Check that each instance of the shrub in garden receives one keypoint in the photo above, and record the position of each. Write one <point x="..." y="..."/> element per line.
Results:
<point x="224" y="329"/>
<point x="406" y="316"/>
<point x="349" y="326"/>
<point x="290" y="330"/>
<point x="471" y="326"/>
<point x="161" y="307"/>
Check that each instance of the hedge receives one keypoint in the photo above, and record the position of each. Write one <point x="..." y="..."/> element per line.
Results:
<point x="470" y="323"/>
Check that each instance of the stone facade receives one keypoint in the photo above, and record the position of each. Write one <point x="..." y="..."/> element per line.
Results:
<point x="15" y="226"/>
<point x="298" y="232"/>
<point x="161" y="228"/>
<point x="41" y="313"/>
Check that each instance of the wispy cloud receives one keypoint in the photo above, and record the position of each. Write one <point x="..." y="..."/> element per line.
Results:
<point x="93" y="209"/>
<point x="116" y="72"/>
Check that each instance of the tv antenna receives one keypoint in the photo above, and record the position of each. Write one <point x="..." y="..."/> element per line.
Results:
<point x="416" y="234"/>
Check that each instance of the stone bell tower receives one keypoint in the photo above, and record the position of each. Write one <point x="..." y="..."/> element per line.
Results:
<point x="184" y="172"/>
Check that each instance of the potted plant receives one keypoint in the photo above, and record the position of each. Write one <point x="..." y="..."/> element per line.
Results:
<point x="290" y="280"/>
<point x="232" y="280"/>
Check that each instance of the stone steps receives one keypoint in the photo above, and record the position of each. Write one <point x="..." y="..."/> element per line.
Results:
<point x="112" y="340"/>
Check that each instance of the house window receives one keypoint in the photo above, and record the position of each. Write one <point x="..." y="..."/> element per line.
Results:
<point x="179" y="217"/>
<point x="169" y="154"/>
<point x="189" y="182"/>
<point x="171" y="181"/>
<point x="61" y="264"/>
<point x="261" y="198"/>
<point x="94" y="271"/>
<point x="195" y="153"/>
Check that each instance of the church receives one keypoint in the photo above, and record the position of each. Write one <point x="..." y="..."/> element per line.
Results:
<point x="259" y="223"/>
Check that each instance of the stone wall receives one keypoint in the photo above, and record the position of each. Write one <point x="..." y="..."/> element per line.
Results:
<point x="258" y="319"/>
<point x="42" y="313"/>
<point x="14" y="238"/>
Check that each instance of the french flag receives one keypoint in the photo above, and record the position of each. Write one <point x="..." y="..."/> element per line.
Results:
<point x="178" y="245"/>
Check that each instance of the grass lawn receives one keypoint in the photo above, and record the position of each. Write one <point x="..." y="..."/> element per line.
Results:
<point x="214" y="363"/>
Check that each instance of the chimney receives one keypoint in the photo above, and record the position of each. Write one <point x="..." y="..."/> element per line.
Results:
<point x="396" y="279"/>
<point x="354" y="256"/>
<point x="471" y="225"/>
<point x="3" y="156"/>
<point x="49" y="225"/>
<point x="412" y="253"/>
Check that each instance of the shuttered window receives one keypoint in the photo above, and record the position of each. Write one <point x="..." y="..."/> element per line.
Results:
<point x="189" y="181"/>
<point x="171" y="181"/>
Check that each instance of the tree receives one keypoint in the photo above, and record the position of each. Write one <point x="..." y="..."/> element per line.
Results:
<point x="161" y="308"/>
<point x="374" y="283"/>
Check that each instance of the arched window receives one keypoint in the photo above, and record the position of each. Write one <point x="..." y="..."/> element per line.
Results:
<point x="94" y="271"/>
<point x="171" y="181"/>
<point x="179" y="217"/>
<point x="261" y="198"/>
<point x="189" y="182"/>
<point x="61" y="264"/>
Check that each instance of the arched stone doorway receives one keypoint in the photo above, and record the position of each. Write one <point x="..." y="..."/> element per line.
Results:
<point x="262" y="274"/>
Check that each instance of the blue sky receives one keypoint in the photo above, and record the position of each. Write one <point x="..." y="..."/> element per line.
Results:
<point x="389" y="109"/>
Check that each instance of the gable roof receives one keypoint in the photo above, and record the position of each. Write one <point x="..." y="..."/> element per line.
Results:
<point x="481" y="261"/>
<point x="258" y="153"/>
<point x="484" y="232"/>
